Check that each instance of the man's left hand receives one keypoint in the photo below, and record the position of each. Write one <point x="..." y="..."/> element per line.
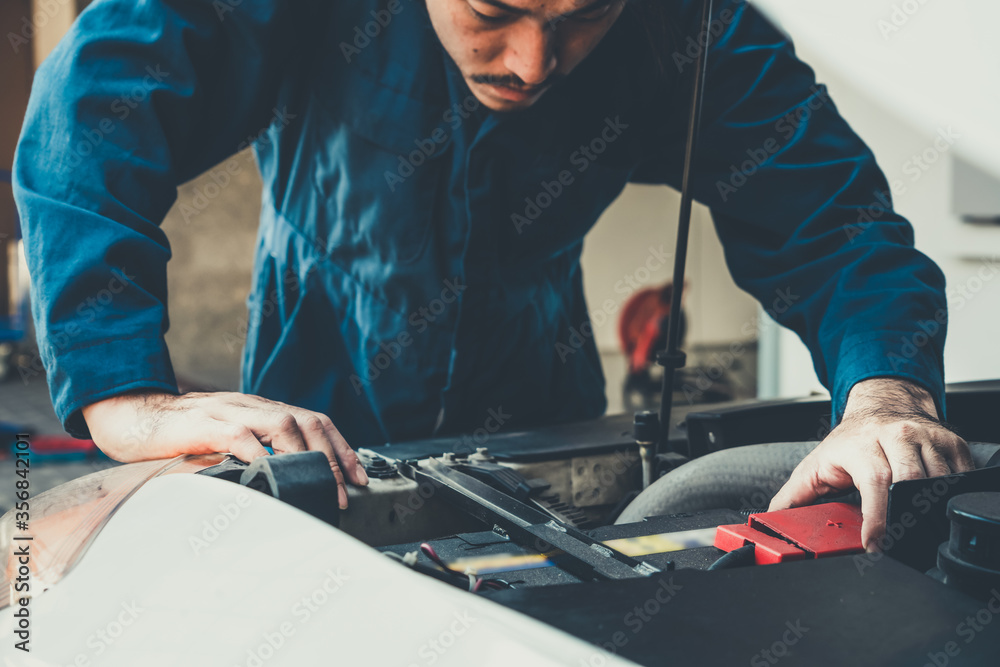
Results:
<point x="890" y="432"/>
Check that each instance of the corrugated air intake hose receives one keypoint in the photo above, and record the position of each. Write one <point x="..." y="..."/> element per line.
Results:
<point x="739" y="478"/>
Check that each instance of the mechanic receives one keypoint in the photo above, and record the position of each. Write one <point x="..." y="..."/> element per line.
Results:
<point x="430" y="169"/>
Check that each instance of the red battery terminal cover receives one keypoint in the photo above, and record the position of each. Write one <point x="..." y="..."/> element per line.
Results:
<point x="831" y="529"/>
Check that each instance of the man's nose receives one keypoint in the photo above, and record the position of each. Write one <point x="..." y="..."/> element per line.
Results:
<point x="530" y="52"/>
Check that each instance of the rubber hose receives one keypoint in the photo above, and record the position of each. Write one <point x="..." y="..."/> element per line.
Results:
<point x="735" y="479"/>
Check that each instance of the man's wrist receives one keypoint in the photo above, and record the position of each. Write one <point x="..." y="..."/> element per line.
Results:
<point x="890" y="397"/>
<point x="133" y="397"/>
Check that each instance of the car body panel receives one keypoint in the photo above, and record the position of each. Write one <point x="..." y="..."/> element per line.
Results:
<point x="198" y="571"/>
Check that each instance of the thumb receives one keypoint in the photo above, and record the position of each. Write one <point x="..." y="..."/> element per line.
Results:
<point x="804" y="487"/>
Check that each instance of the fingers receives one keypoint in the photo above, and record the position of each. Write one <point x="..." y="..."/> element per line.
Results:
<point x="814" y="477"/>
<point x="348" y="458"/>
<point x="291" y="429"/>
<point x="317" y="439"/>
<point x="872" y="475"/>
<point x="336" y="448"/>
<point x="871" y="460"/>
<point x="316" y="432"/>
<point x="913" y="453"/>
<point x="907" y="452"/>
<point x="840" y="463"/>
<point x="934" y="460"/>
<point x="166" y="425"/>
<point x="903" y="447"/>
<point x="279" y="430"/>
<point x="958" y="455"/>
<point x="802" y="488"/>
<point x="319" y="434"/>
<point x="236" y="439"/>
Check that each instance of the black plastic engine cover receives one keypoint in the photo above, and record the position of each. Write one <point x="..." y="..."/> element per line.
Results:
<point x="819" y="613"/>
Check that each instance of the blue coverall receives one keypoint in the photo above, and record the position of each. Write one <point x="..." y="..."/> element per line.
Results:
<point x="418" y="261"/>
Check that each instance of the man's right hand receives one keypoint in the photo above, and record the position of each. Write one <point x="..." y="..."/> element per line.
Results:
<point x="155" y="425"/>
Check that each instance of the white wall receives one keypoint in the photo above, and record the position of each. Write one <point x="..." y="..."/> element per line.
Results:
<point x="716" y="308"/>
<point x="645" y="216"/>
<point x="962" y="250"/>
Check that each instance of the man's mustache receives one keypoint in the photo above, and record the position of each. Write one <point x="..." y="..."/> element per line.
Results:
<point x="513" y="81"/>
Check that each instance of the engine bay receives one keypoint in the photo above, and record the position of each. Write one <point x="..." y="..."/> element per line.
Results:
<point x="555" y="523"/>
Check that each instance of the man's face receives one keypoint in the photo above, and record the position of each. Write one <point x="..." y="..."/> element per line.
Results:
<point x="511" y="51"/>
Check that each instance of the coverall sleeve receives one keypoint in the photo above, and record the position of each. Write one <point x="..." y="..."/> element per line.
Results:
<point x="804" y="213"/>
<point x="137" y="98"/>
